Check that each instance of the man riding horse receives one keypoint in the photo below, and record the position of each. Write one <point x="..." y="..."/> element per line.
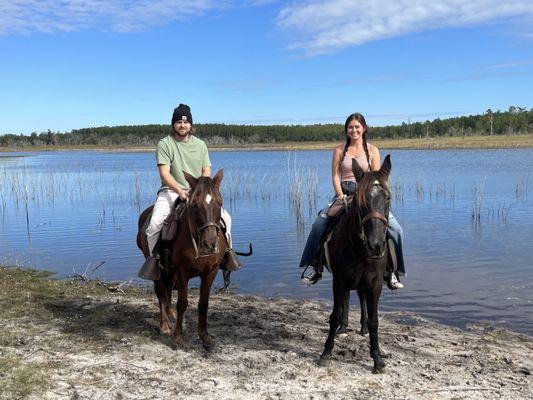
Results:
<point x="179" y="152"/>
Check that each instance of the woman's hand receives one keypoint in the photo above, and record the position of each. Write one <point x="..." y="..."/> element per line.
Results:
<point x="341" y="196"/>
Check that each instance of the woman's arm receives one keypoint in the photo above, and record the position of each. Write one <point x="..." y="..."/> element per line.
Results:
<point x="335" y="170"/>
<point x="375" y="164"/>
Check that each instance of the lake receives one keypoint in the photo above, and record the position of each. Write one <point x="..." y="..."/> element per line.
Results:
<point x="466" y="214"/>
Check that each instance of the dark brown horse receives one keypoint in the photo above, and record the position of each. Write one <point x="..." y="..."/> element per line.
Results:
<point x="197" y="250"/>
<point x="358" y="257"/>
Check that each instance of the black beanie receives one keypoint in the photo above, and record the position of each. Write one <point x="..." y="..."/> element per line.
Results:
<point x="182" y="112"/>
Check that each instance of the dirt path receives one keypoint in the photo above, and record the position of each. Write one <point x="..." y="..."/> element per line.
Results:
<point x="71" y="340"/>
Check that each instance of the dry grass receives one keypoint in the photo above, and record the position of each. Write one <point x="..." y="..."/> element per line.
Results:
<point x="462" y="142"/>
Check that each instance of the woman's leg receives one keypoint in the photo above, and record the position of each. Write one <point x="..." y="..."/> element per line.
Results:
<point x="313" y="240"/>
<point x="395" y="232"/>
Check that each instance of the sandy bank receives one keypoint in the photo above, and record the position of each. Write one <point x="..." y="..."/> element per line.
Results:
<point x="65" y="339"/>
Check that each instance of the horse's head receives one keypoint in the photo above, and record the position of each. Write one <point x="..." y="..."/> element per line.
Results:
<point x="203" y="211"/>
<point x="373" y="201"/>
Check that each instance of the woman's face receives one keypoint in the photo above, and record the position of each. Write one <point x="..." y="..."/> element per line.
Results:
<point x="355" y="130"/>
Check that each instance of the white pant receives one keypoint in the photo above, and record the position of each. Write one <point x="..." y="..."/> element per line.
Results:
<point x="162" y="207"/>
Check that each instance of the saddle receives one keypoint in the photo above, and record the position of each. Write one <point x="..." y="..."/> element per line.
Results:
<point x="339" y="207"/>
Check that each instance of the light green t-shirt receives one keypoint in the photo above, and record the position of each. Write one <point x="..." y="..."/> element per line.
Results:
<point x="190" y="156"/>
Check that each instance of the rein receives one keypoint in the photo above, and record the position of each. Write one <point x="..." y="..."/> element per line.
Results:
<point x="199" y="232"/>
<point x="366" y="218"/>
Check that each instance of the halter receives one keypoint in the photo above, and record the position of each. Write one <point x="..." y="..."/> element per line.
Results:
<point x="368" y="217"/>
<point x="199" y="232"/>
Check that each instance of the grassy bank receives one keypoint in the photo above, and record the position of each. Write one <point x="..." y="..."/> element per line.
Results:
<point x="466" y="142"/>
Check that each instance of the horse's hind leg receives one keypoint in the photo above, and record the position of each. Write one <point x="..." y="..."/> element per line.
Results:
<point x="181" y="307"/>
<point x="343" y="329"/>
<point x="169" y="285"/>
<point x="372" y="298"/>
<point x="161" y="293"/>
<point x="334" y="322"/>
<point x="364" y="313"/>
<point x="203" y="304"/>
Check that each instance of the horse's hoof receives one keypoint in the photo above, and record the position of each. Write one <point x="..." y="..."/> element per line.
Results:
<point x="324" y="361"/>
<point x="379" y="367"/>
<point x="363" y="332"/>
<point x="164" y="329"/>
<point x="209" y="345"/>
<point x="179" y="342"/>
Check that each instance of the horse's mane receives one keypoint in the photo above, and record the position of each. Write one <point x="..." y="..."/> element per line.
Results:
<point x="364" y="185"/>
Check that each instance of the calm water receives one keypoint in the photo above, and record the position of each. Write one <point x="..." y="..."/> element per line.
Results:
<point x="69" y="211"/>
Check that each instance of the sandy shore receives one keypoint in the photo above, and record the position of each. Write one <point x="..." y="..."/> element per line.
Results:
<point x="77" y="340"/>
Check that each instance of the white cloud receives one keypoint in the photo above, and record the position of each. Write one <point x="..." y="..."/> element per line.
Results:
<point x="330" y="25"/>
<point x="27" y="16"/>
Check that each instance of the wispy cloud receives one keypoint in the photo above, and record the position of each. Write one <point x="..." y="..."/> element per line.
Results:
<point x="49" y="16"/>
<point x="325" y="26"/>
<point x="515" y="64"/>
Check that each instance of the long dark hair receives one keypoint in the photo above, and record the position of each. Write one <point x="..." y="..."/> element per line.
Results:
<point x="361" y="119"/>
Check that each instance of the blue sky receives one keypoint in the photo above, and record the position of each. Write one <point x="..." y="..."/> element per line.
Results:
<point x="78" y="63"/>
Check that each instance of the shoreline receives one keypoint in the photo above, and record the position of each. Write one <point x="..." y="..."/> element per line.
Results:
<point x="439" y="143"/>
<point x="67" y="338"/>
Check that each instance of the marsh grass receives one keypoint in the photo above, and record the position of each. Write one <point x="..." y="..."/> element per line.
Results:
<point x="38" y="312"/>
<point x="521" y="187"/>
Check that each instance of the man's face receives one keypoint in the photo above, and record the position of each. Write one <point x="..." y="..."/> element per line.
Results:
<point x="182" y="128"/>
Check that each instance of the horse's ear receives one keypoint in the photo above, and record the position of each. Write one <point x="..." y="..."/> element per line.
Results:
<point x="191" y="179"/>
<point x="386" y="167"/>
<point x="357" y="170"/>
<point x="218" y="178"/>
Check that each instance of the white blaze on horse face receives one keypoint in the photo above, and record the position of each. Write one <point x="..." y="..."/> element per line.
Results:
<point x="208" y="198"/>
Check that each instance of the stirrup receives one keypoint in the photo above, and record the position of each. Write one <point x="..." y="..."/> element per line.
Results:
<point x="312" y="277"/>
<point x="231" y="261"/>
<point x="393" y="283"/>
<point x="150" y="269"/>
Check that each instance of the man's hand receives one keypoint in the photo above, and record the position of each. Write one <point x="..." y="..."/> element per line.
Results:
<point x="183" y="194"/>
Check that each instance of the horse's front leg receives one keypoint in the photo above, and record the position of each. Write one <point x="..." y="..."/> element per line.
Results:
<point x="372" y="299"/>
<point x="203" y="304"/>
<point x="334" y="322"/>
<point x="181" y="307"/>
<point x="343" y="329"/>
<point x="364" y="313"/>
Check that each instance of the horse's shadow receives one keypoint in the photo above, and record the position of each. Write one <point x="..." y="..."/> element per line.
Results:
<point x="232" y="320"/>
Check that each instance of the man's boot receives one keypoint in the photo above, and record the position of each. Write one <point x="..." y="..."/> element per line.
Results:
<point x="150" y="269"/>
<point x="231" y="262"/>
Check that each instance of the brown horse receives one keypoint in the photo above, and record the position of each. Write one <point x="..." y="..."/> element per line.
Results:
<point x="197" y="250"/>
<point x="358" y="257"/>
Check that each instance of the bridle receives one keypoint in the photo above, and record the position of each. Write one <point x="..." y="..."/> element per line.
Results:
<point x="371" y="215"/>
<point x="200" y="230"/>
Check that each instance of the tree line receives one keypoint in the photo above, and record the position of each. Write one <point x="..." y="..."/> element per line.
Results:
<point x="517" y="120"/>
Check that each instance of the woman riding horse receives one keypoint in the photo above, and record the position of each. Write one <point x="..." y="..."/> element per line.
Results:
<point x="367" y="157"/>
